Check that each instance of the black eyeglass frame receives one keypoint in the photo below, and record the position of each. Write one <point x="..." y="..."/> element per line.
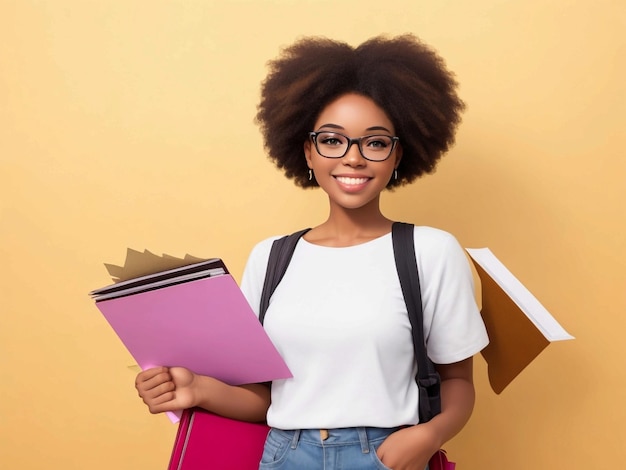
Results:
<point x="357" y="140"/>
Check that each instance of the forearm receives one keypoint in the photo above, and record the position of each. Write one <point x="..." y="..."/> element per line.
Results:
<point x="177" y="388"/>
<point x="244" y="402"/>
<point x="457" y="403"/>
<point x="412" y="447"/>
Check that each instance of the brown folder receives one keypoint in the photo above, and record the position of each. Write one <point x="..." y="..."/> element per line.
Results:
<point x="519" y="327"/>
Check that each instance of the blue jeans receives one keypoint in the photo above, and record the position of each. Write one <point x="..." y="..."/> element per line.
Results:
<point x="343" y="449"/>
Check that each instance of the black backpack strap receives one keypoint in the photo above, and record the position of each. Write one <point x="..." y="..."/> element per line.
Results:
<point x="428" y="380"/>
<point x="280" y="256"/>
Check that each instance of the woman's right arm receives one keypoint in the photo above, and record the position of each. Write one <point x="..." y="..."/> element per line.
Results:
<point x="177" y="388"/>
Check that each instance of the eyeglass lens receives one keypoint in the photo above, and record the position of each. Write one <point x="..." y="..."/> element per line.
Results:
<point x="372" y="147"/>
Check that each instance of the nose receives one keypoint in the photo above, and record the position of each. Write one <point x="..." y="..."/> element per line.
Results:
<point x="353" y="156"/>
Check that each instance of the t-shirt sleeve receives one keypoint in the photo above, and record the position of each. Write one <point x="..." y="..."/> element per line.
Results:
<point x="453" y="327"/>
<point x="254" y="273"/>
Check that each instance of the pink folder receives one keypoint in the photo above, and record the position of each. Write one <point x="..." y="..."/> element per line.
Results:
<point x="207" y="441"/>
<point x="205" y="325"/>
<point x="197" y="317"/>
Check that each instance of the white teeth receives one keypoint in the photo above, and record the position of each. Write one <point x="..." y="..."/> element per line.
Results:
<point x="347" y="180"/>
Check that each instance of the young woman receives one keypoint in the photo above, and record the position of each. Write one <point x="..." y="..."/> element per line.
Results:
<point x="352" y="121"/>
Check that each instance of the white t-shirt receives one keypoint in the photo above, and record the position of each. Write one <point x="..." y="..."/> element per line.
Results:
<point x="339" y="320"/>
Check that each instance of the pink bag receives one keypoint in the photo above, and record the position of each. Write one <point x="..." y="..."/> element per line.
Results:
<point x="207" y="441"/>
<point x="439" y="461"/>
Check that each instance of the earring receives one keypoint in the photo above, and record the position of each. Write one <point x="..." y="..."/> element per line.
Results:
<point x="395" y="174"/>
<point x="310" y="175"/>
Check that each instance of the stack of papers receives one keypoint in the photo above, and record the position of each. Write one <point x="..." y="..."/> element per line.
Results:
<point x="194" y="316"/>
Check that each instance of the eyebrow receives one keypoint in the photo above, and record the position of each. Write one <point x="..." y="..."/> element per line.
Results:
<point x="373" y="128"/>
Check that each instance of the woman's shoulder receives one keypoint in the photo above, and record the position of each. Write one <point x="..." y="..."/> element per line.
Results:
<point x="432" y="235"/>
<point x="437" y="246"/>
<point x="256" y="266"/>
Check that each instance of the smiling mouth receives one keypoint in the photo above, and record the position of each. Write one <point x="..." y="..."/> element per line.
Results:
<point x="351" y="181"/>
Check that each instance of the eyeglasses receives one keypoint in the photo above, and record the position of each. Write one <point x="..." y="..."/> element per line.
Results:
<point x="375" y="148"/>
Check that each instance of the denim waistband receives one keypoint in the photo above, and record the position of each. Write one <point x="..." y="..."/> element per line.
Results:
<point x="338" y="436"/>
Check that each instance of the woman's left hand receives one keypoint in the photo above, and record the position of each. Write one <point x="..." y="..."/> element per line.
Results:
<point x="409" y="449"/>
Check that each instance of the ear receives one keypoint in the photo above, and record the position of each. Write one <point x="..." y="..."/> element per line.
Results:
<point x="399" y="151"/>
<point x="307" y="153"/>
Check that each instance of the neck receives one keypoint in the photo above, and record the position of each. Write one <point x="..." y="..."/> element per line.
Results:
<point x="347" y="227"/>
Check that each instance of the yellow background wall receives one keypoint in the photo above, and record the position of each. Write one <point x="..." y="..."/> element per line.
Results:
<point x="130" y="124"/>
